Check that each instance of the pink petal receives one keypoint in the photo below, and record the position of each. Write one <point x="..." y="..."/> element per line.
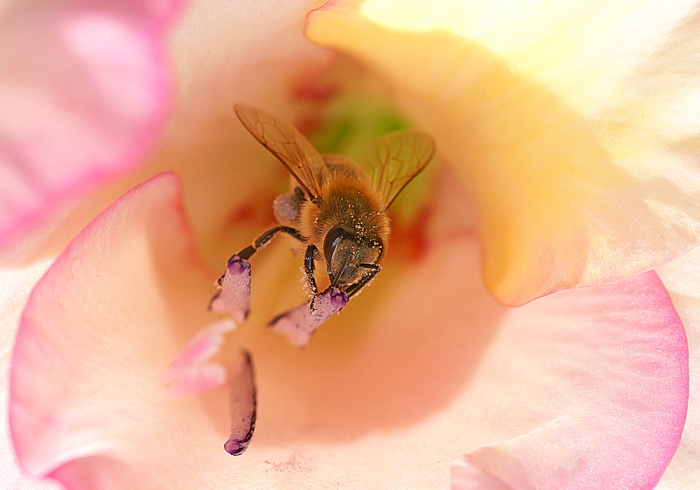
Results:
<point x="401" y="384"/>
<point x="617" y="434"/>
<point x="127" y="293"/>
<point x="682" y="278"/>
<point x="84" y="91"/>
<point x="15" y="286"/>
<point x="466" y="476"/>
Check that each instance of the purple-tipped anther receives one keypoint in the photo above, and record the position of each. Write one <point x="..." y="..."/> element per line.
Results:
<point x="299" y="324"/>
<point x="234" y="290"/>
<point x="243" y="408"/>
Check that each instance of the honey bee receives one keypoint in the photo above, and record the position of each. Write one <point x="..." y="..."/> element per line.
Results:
<point x="338" y="208"/>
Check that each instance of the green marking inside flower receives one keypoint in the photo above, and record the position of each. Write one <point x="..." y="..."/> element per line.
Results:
<point x="349" y="126"/>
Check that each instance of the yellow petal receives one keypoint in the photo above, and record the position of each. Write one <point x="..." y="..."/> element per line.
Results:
<point x="573" y="125"/>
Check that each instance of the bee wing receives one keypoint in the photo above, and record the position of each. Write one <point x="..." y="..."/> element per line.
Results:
<point x="290" y="147"/>
<point x="394" y="159"/>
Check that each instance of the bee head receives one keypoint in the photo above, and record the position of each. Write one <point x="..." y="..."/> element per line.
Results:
<point x="345" y="254"/>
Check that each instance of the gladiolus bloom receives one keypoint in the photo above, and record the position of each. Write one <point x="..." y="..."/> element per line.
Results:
<point x="121" y="378"/>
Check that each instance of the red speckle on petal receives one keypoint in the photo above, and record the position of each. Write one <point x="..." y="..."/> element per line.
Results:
<point x="315" y="92"/>
<point x="312" y="89"/>
<point x="308" y="125"/>
<point x="409" y="240"/>
<point x="256" y="211"/>
<point x="312" y="85"/>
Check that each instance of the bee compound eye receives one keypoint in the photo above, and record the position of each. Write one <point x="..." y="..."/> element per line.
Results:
<point x="333" y="237"/>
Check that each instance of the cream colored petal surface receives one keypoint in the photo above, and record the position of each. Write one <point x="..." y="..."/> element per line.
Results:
<point x="574" y="125"/>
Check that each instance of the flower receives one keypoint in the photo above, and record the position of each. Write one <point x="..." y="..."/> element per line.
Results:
<point x="423" y="370"/>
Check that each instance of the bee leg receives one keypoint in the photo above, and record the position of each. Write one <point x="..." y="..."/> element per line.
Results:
<point x="262" y="240"/>
<point x="355" y="288"/>
<point x="309" y="265"/>
<point x="299" y="194"/>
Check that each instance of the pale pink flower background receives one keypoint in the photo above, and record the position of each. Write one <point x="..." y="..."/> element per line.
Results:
<point x="223" y="54"/>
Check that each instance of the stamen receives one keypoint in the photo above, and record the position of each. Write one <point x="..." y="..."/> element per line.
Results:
<point x="243" y="408"/>
<point x="234" y="290"/>
<point x="299" y="324"/>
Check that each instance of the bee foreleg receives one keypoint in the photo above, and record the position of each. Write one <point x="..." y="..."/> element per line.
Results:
<point x="262" y="240"/>
<point x="355" y="288"/>
<point x="309" y="266"/>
